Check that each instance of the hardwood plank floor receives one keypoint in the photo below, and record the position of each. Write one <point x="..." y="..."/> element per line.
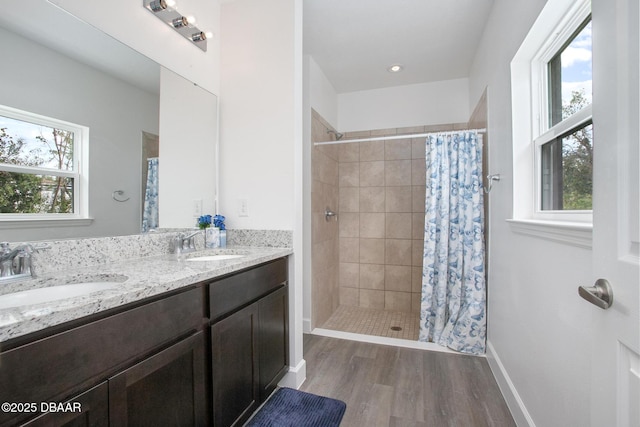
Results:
<point x="401" y="387"/>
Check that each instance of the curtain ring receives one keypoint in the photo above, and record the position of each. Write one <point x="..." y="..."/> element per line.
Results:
<point x="118" y="196"/>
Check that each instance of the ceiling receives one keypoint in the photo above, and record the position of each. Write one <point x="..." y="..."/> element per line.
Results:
<point x="355" y="41"/>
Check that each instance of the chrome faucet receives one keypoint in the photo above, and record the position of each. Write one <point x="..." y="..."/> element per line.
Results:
<point x="184" y="244"/>
<point x="15" y="263"/>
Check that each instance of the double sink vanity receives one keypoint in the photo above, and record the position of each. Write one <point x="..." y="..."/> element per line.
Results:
<point x="200" y="339"/>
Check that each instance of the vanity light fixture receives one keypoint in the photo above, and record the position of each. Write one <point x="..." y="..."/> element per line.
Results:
<point x="395" y="68"/>
<point x="180" y="22"/>
<point x="166" y="11"/>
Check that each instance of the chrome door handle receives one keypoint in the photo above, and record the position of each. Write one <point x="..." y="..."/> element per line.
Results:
<point x="601" y="294"/>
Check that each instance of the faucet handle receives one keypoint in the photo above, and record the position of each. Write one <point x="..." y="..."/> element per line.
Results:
<point x="4" y="247"/>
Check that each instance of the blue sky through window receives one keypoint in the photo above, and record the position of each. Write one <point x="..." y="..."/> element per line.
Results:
<point x="576" y="62"/>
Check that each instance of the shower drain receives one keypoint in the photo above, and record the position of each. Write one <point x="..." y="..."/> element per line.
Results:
<point x="396" y="328"/>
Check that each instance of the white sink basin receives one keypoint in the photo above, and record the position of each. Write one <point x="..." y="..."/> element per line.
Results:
<point x="215" y="257"/>
<point x="52" y="293"/>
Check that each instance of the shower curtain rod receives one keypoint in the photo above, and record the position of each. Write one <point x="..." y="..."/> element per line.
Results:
<point x="412" y="135"/>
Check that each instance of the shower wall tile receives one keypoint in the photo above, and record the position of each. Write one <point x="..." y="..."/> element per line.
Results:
<point x="350" y="297"/>
<point x="417" y="250"/>
<point x="349" y="249"/>
<point x="325" y="169"/>
<point x="411" y="129"/>
<point x="418" y="148"/>
<point x="398" y="199"/>
<point x="371" y="151"/>
<point x="418" y="172"/>
<point x="349" y="275"/>
<point x="416" y="279"/>
<point x="357" y="134"/>
<point x="372" y="251"/>
<point x="397" y="149"/>
<point x="397" y="301"/>
<point x="417" y="226"/>
<point x="398" y="226"/>
<point x="397" y="252"/>
<point x="349" y="200"/>
<point x="372" y="199"/>
<point x="418" y="198"/>
<point x="397" y="172"/>
<point x="416" y="300"/>
<point x="372" y="299"/>
<point x="349" y="174"/>
<point x="372" y="225"/>
<point x="372" y="174"/>
<point x="397" y="278"/>
<point x="381" y="217"/>
<point x="372" y="276"/>
<point x="349" y="152"/>
<point x="349" y="224"/>
<point x="384" y="132"/>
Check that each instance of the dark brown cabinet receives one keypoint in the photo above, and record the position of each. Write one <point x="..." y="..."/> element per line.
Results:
<point x="167" y="389"/>
<point x="208" y="354"/>
<point x="250" y="346"/>
<point x="234" y="362"/>
<point x="93" y="411"/>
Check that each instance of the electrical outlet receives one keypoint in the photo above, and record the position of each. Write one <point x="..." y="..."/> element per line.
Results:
<point x="243" y="207"/>
<point x="197" y="208"/>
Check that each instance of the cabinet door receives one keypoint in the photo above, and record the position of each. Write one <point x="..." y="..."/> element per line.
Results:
<point x="273" y="339"/>
<point x="89" y="409"/>
<point x="235" y="367"/>
<point x="167" y="389"/>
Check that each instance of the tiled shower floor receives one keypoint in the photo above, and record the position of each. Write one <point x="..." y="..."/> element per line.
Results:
<point x="369" y="321"/>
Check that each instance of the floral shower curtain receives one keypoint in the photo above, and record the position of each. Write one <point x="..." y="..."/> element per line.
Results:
<point x="150" y="212"/>
<point x="453" y="301"/>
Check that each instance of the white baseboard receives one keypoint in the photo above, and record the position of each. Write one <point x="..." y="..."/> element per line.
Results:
<point x="306" y="326"/>
<point x="295" y="376"/>
<point x="514" y="402"/>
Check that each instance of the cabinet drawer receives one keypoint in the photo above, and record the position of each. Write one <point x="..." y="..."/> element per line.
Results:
<point x="52" y="368"/>
<point x="229" y="294"/>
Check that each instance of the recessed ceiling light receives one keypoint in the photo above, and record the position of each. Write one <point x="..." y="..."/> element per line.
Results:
<point x="395" y="68"/>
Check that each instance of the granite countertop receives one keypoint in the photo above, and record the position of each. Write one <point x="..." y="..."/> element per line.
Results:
<point x="133" y="280"/>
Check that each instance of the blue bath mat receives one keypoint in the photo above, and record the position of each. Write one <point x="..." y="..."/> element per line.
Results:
<point x="292" y="408"/>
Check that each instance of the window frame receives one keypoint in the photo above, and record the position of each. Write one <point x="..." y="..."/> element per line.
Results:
<point x="525" y="127"/>
<point x="79" y="174"/>
<point x="542" y="132"/>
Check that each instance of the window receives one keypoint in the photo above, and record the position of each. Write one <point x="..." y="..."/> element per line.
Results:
<point x="41" y="172"/>
<point x="564" y="150"/>
<point x="552" y="127"/>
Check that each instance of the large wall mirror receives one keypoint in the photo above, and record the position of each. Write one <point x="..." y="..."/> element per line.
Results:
<point x="57" y="66"/>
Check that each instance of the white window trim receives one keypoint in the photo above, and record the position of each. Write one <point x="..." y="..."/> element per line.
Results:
<point x="80" y="174"/>
<point x="529" y="122"/>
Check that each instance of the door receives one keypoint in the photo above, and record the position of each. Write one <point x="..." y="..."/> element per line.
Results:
<point x="89" y="409"/>
<point x="273" y="340"/>
<point x="166" y="389"/>
<point x="615" y="368"/>
<point x="234" y="367"/>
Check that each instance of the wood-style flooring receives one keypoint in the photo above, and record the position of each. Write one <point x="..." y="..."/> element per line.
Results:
<point x="401" y="387"/>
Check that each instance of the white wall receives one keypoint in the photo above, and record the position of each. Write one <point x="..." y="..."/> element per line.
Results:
<point x="187" y="165"/>
<point x="403" y="106"/>
<point x="261" y="133"/>
<point x="129" y="22"/>
<point x="257" y="113"/>
<point x="44" y="82"/>
<point x="539" y="341"/>
<point x="322" y="96"/>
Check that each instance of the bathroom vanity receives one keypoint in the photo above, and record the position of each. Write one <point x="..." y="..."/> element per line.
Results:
<point x="204" y="353"/>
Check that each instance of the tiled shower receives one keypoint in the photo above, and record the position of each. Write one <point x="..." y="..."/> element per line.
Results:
<point x="367" y="265"/>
